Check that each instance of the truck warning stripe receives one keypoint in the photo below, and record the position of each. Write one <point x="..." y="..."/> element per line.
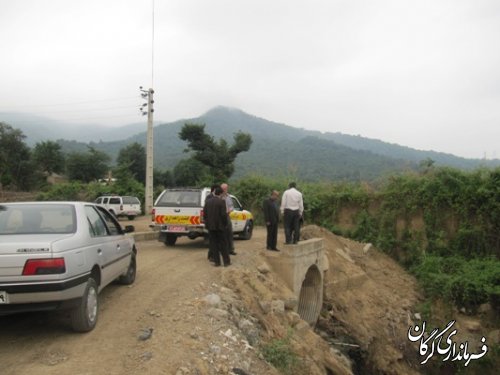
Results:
<point x="239" y="215"/>
<point x="177" y="219"/>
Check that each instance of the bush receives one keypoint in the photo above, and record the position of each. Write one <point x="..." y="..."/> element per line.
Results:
<point x="465" y="283"/>
<point x="278" y="353"/>
<point x="70" y="191"/>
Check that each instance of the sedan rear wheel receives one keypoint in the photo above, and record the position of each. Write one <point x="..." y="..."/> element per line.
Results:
<point x="84" y="316"/>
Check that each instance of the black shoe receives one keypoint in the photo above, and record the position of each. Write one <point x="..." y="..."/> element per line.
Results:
<point x="233" y="253"/>
<point x="275" y="249"/>
<point x="216" y="265"/>
<point x="227" y="264"/>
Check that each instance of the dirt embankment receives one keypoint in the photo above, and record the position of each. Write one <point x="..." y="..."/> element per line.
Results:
<point x="208" y="320"/>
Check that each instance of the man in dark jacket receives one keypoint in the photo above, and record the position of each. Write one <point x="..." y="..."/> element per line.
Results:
<point x="271" y="217"/>
<point x="207" y="198"/>
<point x="215" y="215"/>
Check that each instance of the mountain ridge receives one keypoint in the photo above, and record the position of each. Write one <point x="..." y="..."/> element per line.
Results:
<point x="277" y="149"/>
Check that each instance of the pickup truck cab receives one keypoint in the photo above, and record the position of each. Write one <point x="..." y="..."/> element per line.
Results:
<point x="179" y="212"/>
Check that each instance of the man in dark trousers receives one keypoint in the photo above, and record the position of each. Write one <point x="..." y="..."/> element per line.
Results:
<point x="215" y="215"/>
<point x="207" y="198"/>
<point x="292" y="207"/>
<point x="271" y="217"/>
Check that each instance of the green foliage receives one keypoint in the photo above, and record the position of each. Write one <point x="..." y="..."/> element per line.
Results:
<point x="69" y="191"/>
<point x="48" y="157"/>
<point x="253" y="190"/>
<point x="133" y="157"/>
<point x="366" y="228"/>
<point x="86" y="167"/>
<point x="218" y="156"/>
<point x="190" y="172"/>
<point x="278" y="352"/>
<point x="162" y="179"/>
<point x="466" y="283"/>
<point x="16" y="168"/>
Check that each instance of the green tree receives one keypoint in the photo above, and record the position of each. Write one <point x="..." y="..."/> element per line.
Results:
<point x="163" y="178"/>
<point x="190" y="172"/>
<point x="133" y="157"/>
<point x="15" y="159"/>
<point x="48" y="157"/>
<point x="88" y="166"/>
<point x="218" y="156"/>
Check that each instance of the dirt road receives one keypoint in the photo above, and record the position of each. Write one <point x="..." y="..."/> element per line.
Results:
<point x="166" y="296"/>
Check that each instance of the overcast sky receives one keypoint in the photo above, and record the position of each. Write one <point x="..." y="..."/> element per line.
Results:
<point x="424" y="74"/>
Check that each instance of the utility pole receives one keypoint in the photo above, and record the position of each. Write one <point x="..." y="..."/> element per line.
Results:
<point x="148" y="94"/>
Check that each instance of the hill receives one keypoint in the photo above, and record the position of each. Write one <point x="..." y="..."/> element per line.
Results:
<point x="39" y="128"/>
<point x="277" y="149"/>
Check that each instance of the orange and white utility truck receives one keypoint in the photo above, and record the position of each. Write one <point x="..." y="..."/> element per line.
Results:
<point x="179" y="212"/>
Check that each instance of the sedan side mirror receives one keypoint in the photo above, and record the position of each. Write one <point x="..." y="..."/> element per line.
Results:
<point x="129" y="228"/>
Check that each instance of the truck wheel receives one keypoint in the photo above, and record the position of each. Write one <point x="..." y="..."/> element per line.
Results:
<point x="84" y="316"/>
<point x="170" y="239"/>
<point x="131" y="217"/>
<point x="247" y="231"/>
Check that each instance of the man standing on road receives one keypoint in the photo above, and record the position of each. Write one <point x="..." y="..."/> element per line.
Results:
<point x="271" y="217"/>
<point x="292" y="208"/>
<point x="230" y="208"/>
<point x="207" y="198"/>
<point x="216" y="222"/>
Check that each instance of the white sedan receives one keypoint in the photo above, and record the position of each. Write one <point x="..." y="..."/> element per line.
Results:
<point x="60" y="255"/>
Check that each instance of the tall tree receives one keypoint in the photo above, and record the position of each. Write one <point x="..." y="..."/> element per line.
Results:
<point x="48" y="157"/>
<point x="89" y="166"/>
<point x="218" y="156"/>
<point x="133" y="157"/>
<point x="15" y="158"/>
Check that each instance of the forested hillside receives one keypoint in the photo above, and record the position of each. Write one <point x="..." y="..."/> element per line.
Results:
<point x="277" y="149"/>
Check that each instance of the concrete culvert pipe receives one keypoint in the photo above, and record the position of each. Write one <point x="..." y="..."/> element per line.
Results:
<point x="311" y="296"/>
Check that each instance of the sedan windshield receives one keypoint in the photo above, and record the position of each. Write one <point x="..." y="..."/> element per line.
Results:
<point x="33" y="218"/>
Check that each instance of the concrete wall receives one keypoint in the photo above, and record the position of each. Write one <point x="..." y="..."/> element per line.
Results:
<point x="302" y="267"/>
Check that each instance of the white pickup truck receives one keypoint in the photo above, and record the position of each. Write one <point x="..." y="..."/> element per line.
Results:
<point x="179" y="212"/>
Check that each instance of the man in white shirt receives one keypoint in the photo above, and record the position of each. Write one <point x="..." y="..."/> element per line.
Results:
<point x="230" y="208"/>
<point x="292" y="208"/>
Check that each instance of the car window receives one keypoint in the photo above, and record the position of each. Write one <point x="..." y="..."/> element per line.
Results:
<point x="130" y="200"/>
<point x="32" y="218"/>
<point x="98" y="200"/>
<point x="236" y="204"/>
<point x="113" y="226"/>
<point x="114" y="200"/>
<point x="180" y="198"/>
<point x="97" y="226"/>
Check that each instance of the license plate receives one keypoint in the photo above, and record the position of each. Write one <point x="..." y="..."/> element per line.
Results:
<point x="176" y="228"/>
<point x="4" y="297"/>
